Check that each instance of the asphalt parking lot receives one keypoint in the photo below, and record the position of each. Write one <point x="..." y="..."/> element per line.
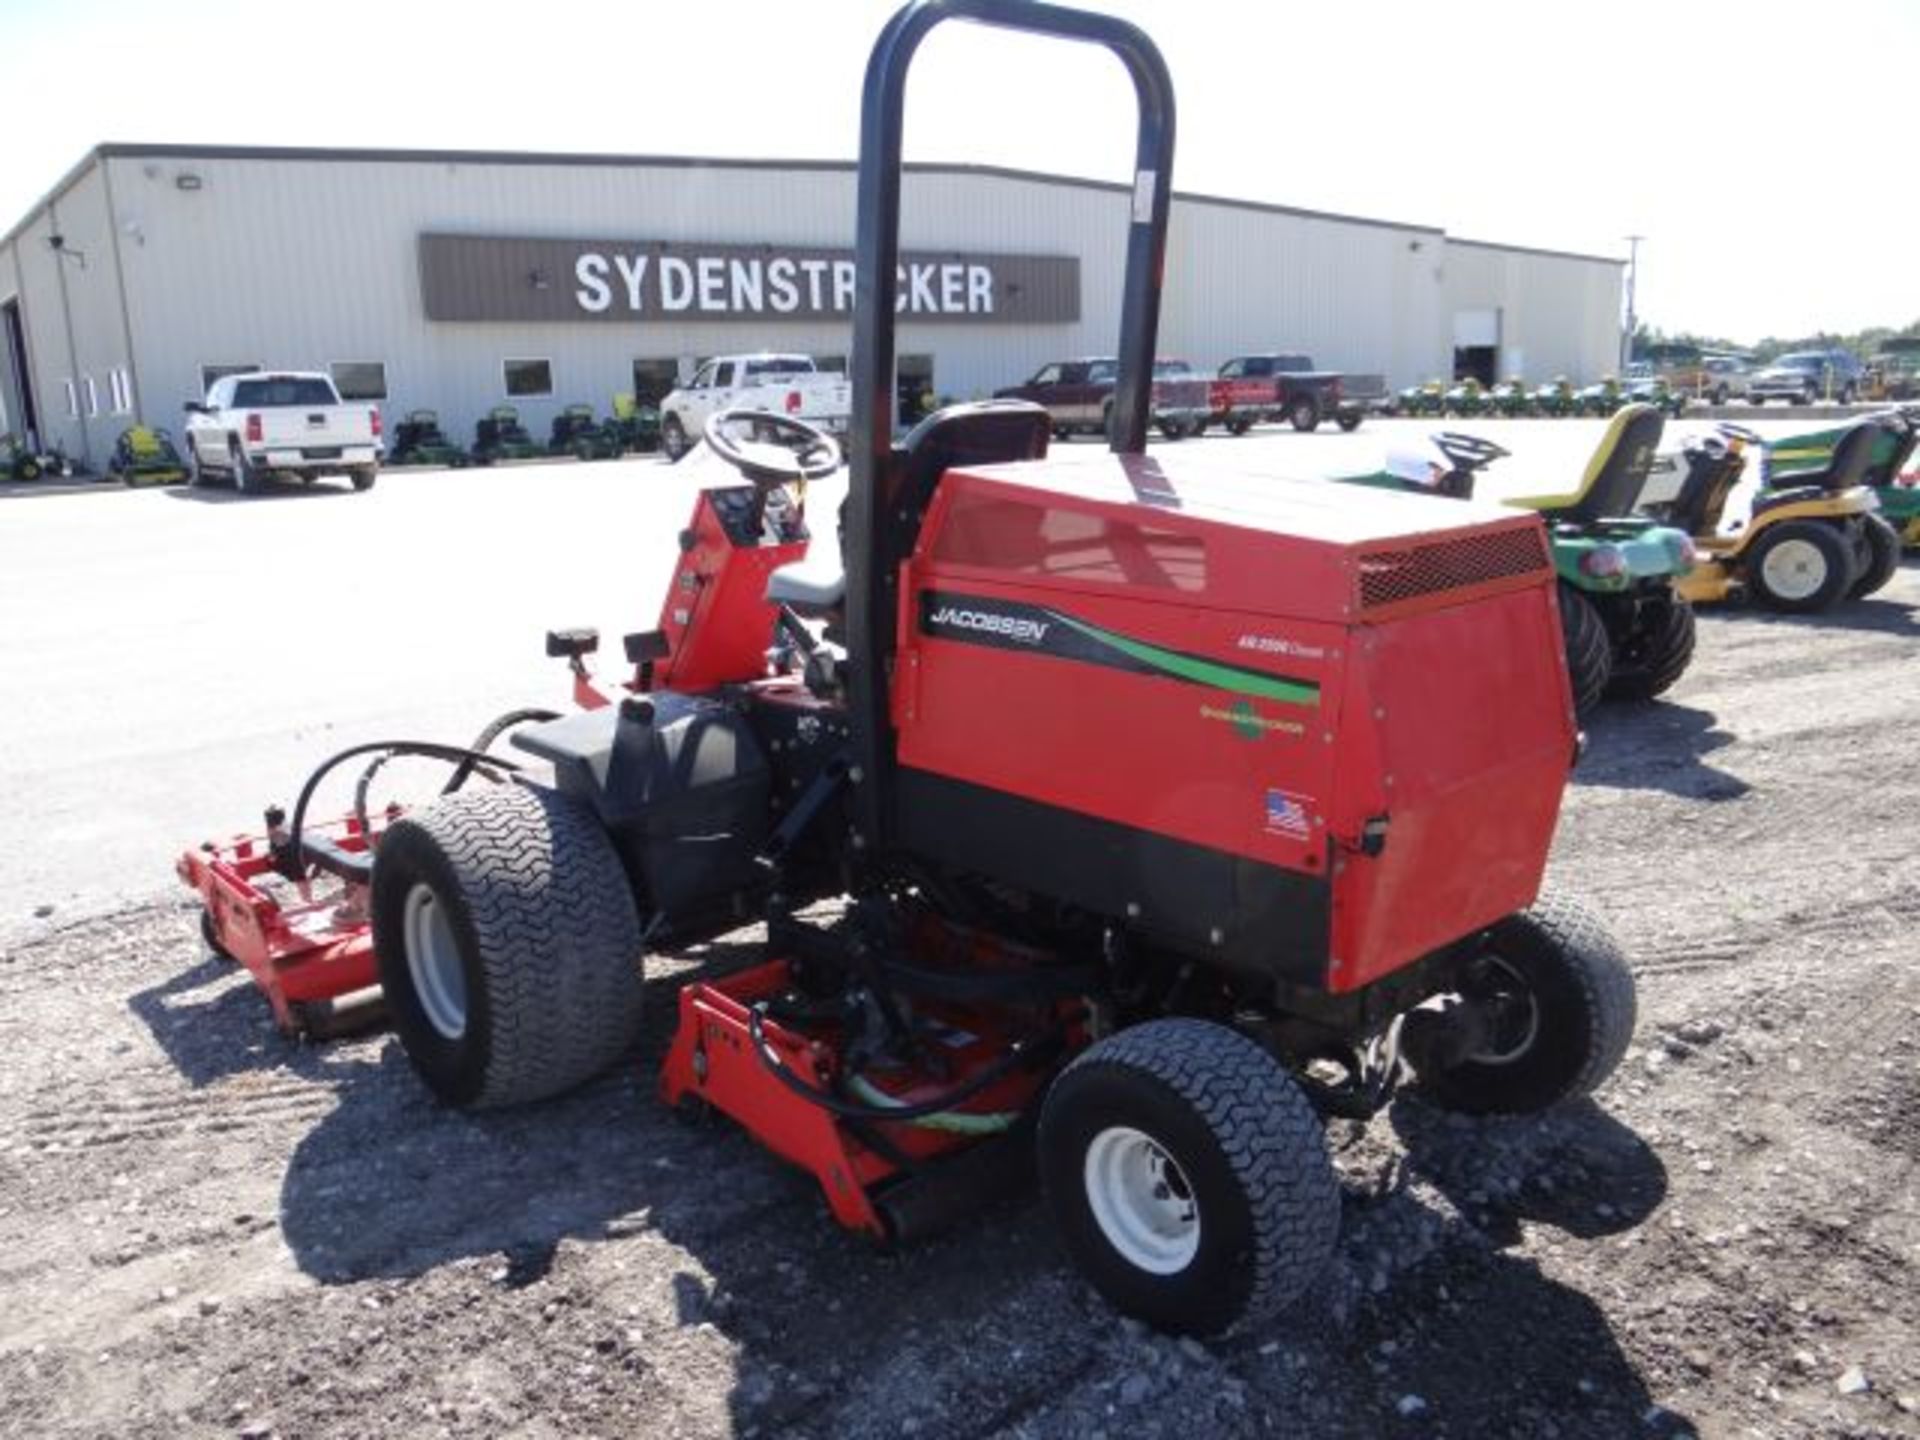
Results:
<point x="207" y="1230"/>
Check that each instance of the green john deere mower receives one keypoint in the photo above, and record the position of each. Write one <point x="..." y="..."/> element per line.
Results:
<point x="500" y="436"/>
<point x="145" y="455"/>
<point x="1894" y="485"/>
<point x="419" y="440"/>
<point x="1629" y="633"/>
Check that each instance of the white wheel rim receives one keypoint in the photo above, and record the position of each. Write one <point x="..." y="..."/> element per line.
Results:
<point x="1794" y="569"/>
<point x="1142" y="1201"/>
<point x="433" y="962"/>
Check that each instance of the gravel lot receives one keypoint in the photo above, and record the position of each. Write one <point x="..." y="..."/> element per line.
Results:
<point x="204" y="1230"/>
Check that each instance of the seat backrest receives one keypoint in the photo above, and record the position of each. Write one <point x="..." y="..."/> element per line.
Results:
<point x="1618" y="471"/>
<point x="1713" y="469"/>
<point x="1852" y="455"/>
<point x="984" y="432"/>
<point x="143" y="444"/>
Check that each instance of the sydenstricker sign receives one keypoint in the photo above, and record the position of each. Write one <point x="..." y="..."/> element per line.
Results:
<point x="491" y="277"/>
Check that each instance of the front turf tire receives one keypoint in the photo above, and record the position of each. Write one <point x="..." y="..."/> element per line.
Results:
<point x="1882" y="556"/>
<point x="1564" y="966"/>
<point x="1589" y="651"/>
<point x="1657" y="654"/>
<point x="523" y="885"/>
<point x="1238" y="1214"/>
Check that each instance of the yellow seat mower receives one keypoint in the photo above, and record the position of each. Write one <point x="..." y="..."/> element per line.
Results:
<point x="144" y="455"/>
<point x="1810" y="540"/>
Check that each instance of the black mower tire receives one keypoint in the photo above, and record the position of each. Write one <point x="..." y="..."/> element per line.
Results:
<point x="210" y="935"/>
<point x="542" y="918"/>
<point x="1583" y="1017"/>
<point x="1589" y="651"/>
<point x="1834" y="548"/>
<point x="1882" y="556"/>
<point x="1658" y="655"/>
<point x="363" y="477"/>
<point x="1247" y="1148"/>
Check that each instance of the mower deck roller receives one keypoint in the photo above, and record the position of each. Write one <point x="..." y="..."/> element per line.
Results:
<point x="1109" y="816"/>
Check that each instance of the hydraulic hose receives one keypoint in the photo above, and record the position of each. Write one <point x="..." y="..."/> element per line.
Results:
<point x="463" y="769"/>
<point x="1018" y="1054"/>
<point x="452" y="754"/>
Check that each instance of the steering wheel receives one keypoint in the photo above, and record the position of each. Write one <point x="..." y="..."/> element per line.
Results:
<point x="774" y="449"/>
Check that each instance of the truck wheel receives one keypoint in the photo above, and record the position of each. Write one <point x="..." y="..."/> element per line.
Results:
<point x="1720" y="396"/>
<point x="27" y="469"/>
<point x="1882" y="557"/>
<point x="1304" y="414"/>
<point x="1589" y="652"/>
<point x="673" y="439"/>
<point x="1188" y="1176"/>
<point x="1174" y="429"/>
<point x="363" y="476"/>
<point x="1657" y="653"/>
<point x="1239" y="425"/>
<point x="508" y="944"/>
<point x="1560" y="1012"/>
<point x="1348" y="423"/>
<point x="1800" y="566"/>
<point x="246" y="480"/>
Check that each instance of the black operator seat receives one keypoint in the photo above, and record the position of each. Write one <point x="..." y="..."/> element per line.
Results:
<point x="1852" y="455"/>
<point x="1614" y="477"/>
<point x="1702" y="500"/>
<point x="983" y="432"/>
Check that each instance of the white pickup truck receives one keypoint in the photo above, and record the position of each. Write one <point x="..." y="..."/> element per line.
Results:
<point x="785" y="384"/>
<point x="265" y="423"/>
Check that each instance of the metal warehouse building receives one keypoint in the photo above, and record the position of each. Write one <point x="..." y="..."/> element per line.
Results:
<point x="456" y="281"/>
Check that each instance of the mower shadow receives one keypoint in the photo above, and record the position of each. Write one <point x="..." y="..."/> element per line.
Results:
<point x="1577" y="1169"/>
<point x="227" y="1031"/>
<point x="1657" y="747"/>
<point x="1875" y="614"/>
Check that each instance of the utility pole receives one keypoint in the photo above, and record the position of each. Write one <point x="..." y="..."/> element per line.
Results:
<point x="1633" y="274"/>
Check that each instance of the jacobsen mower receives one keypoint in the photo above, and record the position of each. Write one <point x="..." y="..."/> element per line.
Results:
<point x="1895" y="487"/>
<point x="1810" y="538"/>
<point x="1627" y="629"/>
<point x="1163" y="807"/>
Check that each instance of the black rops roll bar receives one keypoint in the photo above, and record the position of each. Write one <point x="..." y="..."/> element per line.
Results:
<point x="876" y="258"/>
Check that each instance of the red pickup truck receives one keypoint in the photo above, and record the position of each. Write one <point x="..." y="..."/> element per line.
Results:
<point x="1253" y="388"/>
<point x="1078" y="395"/>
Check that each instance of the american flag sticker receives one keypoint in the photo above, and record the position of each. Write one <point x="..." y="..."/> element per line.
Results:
<point x="1287" y="814"/>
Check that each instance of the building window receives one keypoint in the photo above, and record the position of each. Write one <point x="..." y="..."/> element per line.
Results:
<point x="93" y="396"/>
<point x="211" y="375"/>
<point x="360" y="379"/>
<point x="654" y="379"/>
<point x="833" y="364"/>
<point x="73" y="399"/>
<point x="529" y="377"/>
<point x="120" y="383"/>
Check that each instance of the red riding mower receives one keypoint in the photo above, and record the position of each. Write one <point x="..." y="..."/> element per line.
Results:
<point x="1167" y="805"/>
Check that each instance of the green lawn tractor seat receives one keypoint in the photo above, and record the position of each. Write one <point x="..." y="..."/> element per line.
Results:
<point x="1610" y="488"/>
<point x="144" y="455"/>
<point x="637" y="424"/>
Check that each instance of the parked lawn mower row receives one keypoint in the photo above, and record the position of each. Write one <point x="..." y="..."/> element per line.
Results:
<point x="1515" y="399"/>
<point x="500" y="436"/>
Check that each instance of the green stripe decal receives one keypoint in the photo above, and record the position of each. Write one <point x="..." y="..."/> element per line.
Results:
<point x="1199" y="671"/>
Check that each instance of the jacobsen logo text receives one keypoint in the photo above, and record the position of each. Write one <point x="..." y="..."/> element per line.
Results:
<point x="1013" y="627"/>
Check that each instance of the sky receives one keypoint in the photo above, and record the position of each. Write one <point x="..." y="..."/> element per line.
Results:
<point x="1764" y="150"/>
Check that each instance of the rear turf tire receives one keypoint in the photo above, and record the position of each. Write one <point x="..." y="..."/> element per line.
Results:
<point x="1589" y="651"/>
<point x="1246" y="1191"/>
<point x="1563" y="967"/>
<point x="1882" y="557"/>
<point x="522" y="886"/>
<point x="1801" y="567"/>
<point x="1657" y="654"/>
